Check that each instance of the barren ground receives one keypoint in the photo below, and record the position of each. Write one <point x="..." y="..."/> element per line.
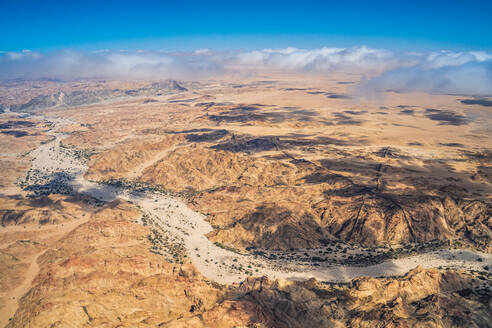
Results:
<point x="285" y="176"/>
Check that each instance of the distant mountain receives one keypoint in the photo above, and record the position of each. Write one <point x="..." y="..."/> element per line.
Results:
<point x="87" y="97"/>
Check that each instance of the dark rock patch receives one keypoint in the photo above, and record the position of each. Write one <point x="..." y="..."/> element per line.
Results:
<point x="249" y="145"/>
<point x="245" y="114"/>
<point x="481" y="102"/>
<point x="295" y="89"/>
<point x="342" y="119"/>
<point x="13" y="124"/>
<point x="337" y="96"/>
<point x="445" y="117"/>
<point x="212" y="136"/>
<point x="15" y="133"/>
<point x="355" y="112"/>
<point x="189" y="100"/>
<point x="410" y="112"/>
<point x="452" y="144"/>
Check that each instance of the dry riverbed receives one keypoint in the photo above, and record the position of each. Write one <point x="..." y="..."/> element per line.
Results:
<point x="179" y="232"/>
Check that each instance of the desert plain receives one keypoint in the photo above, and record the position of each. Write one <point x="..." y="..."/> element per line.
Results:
<point x="270" y="200"/>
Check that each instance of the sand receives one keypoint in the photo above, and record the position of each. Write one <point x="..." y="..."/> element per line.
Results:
<point x="174" y="217"/>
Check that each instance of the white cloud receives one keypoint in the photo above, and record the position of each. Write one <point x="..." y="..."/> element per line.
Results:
<point x="201" y="51"/>
<point x="467" y="73"/>
<point x="449" y="58"/>
<point x="439" y="71"/>
<point x="69" y="65"/>
<point x="320" y="60"/>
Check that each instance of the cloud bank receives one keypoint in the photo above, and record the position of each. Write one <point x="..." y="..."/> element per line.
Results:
<point x="440" y="72"/>
<point x="465" y="73"/>
<point x="73" y="65"/>
<point x="357" y="59"/>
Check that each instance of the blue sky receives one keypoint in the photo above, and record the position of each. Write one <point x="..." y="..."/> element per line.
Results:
<point x="187" y="25"/>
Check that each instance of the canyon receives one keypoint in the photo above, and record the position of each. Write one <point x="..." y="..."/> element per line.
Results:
<point x="264" y="204"/>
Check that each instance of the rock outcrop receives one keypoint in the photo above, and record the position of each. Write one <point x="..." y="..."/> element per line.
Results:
<point x="101" y="274"/>
<point x="88" y="97"/>
<point x="422" y="298"/>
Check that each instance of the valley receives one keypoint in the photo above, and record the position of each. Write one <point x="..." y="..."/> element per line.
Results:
<point x="241" y="196"/>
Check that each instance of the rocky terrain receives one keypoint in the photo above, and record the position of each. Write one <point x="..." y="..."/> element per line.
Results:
<point x="172" y="204"/>
<point x="264" y="188"/>
<point x="100" y="273"/>
<point x="79" y="94"/>
<point x="96" y="275"/>
<point x="18" y="136"/>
